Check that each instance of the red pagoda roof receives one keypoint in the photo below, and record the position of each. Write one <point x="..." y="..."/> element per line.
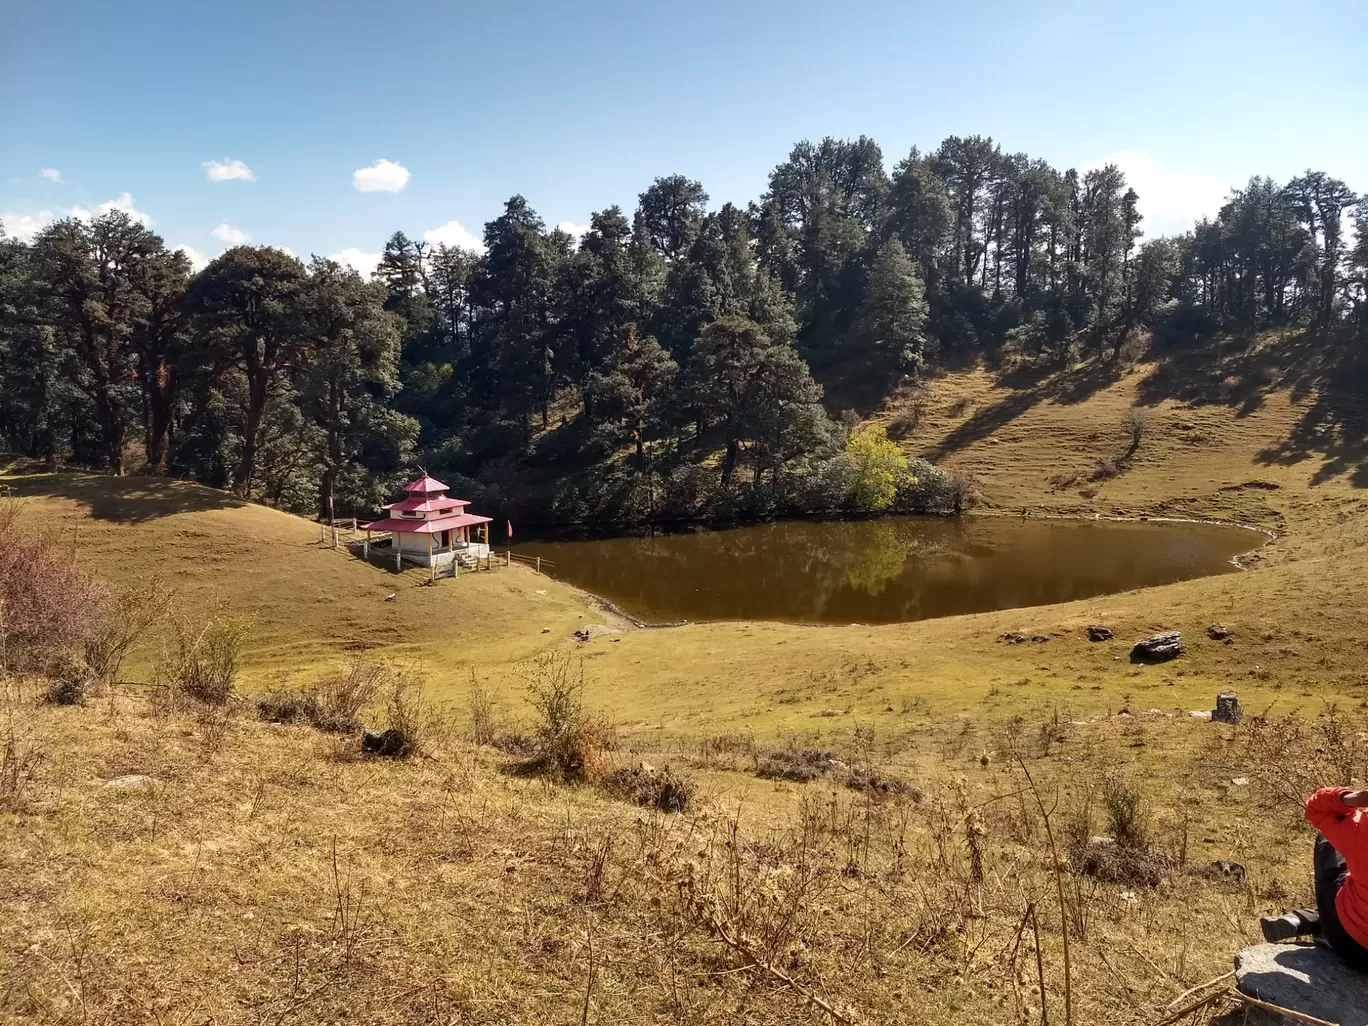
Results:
<point x="425" y="526"/>
<point x="426" y="485"/>
<point x="419" y="504"/>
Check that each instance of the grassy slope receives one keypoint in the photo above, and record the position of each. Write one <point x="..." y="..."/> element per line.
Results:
<point x="1208" y="454"/>
<point x="485" y="875"/>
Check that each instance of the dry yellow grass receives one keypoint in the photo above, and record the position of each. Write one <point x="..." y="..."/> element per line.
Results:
<point x="210" y="897"/>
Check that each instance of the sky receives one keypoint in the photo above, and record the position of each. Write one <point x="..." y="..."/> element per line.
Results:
<point x="325" y="127"/>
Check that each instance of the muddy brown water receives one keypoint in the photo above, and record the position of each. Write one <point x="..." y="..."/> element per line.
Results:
<point x="890" y="570"/>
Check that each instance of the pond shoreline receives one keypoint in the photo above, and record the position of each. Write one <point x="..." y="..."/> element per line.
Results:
<point x="1242" y="562"/>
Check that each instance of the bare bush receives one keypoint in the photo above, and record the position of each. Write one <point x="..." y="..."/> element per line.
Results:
<point x="415" y="724"/>
<point x="1137" y="425"/>
<point x="906" y="421"/>
<point x="960" y="405"/>
<point x="201" y="659"/>
<point x="664" y="790"/>
<point x="484" y="719"/>
<point x="132" y="612"/>
<point x="1104" y="470"/>
<point x="1127" y="812"/>
<point x="339" y="699"/>
<point x="287" y="707"/>
<point x="570" y="741"/>
<point x="49" y="607"/>
<point x="965" y="492"/>
<point x="20" y="758"/>
<point x="1288" y="757"/>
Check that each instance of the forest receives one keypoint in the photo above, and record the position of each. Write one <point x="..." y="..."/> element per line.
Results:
<point x="675" y="362"/>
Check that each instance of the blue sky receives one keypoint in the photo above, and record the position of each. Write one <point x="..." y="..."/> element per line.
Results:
<point x="580" y="105"/>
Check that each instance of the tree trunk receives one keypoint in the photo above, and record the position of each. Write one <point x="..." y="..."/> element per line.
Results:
<point x="729" y="460"/>
<point x="157" y="426"/>
<point x="256" y="413"/>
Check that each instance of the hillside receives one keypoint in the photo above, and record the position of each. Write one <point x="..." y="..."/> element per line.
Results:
<point x="455" y="889"/>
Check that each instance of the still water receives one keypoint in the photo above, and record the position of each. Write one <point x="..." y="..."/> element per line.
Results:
<point x="888" y="570"/>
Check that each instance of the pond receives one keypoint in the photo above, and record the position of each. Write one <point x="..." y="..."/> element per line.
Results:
<point x="889" y="570"/>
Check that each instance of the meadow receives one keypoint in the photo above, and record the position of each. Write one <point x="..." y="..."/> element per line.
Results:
<point x="886" y="824"/>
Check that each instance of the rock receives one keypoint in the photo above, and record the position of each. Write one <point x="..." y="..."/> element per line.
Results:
<point x="1220" y="632"/>
<point x="1200" y="714"/>
<point x="1039" y="639"/>
<point x="1228" y="709"/>
<point x="1303" y="978"/>
<point x="1158" y="648"/>
<point x="1222" y="869"/>
<point x="1011" y="638"/>
<point x="546" y="630"/>
<point x="1099" y="633"/>
<point x="391" y="743"/>
<point x="131" y="782"/>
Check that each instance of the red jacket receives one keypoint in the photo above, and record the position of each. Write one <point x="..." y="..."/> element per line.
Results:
<point x="1347" y="830"/>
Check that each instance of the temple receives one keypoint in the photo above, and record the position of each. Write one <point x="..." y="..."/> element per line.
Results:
<point x="431" y="529"/>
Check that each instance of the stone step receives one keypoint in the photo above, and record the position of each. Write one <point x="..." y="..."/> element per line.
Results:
<point x="1304" y="978"/>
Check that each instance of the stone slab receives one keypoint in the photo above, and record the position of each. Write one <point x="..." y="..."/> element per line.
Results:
<point x="1304" y="978"/>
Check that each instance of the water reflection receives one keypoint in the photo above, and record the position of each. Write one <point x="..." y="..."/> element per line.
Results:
<point x="889" y="570"/>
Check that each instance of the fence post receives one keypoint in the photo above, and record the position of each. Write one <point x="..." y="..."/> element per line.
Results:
<point x="508" y="558"/>
<point x="539" y="564"/>
<point x="334" y="530"/>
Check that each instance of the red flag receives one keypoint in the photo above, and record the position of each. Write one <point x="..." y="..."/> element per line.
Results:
<point x="510" y="529"/>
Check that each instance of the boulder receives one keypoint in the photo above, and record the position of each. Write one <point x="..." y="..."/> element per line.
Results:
<point x="391" y="743"/>
<point x="1228" y="708"/>
<point x="1220" y="632"/>
<point x="1158" y="648"/>
<point x="1011" y="638"/>
<point x="1303" y="978"/>
<point x="131" y="782"/>
<point x="1099" y="633"/>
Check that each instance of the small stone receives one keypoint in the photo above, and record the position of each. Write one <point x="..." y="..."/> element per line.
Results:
<point x="1158" y="648"/>
<point x="1304" y="978"/>
<point x="546" y="630"/>
<point x="1219" y="632"/>
<point x="1222" y="869"/>
<point x="131" y="781"/>
<point x="1200" y="714"/>
<point x="1011" y="638"/>
<point x="1099" y="633"/>
<point x="1240" y="782"/>
<point x="1228" y="708"/>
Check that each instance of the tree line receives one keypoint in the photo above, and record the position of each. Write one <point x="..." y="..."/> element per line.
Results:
<point x="677" y="361"/>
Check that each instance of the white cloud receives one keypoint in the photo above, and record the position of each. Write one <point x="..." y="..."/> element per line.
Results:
<point x="382" y="176"/>
<point x="365" y="263"/>
<point x="454" y="234"/>
<point x="24" y="226"/>
<point x="197" y="259"/>
<point x="227" y="171"/>
<point x="575" y="231"/>
<point x="1170" y="201"/>
<point x="226" y="233"/>
<point x="51" y="174"/>
<point x="123" y="202"/>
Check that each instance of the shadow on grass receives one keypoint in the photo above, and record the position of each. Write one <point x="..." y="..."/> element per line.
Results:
<point x="128" y="500"/>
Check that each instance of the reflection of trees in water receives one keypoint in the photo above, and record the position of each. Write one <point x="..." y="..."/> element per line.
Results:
<point x="897" y="568"/>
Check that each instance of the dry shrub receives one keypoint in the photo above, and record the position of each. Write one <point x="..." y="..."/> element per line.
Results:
<point x="339" y="699"/>
<point x="906" y="421"/>
<point x="132" y="612"/>
<point x="570" y="741"/>
<point x="414" y="724"/>
<point x="1288" y="757"/>
<point x="965" y="492"/>
<point x="484" y="719"/>
<point x="1232" y="384"/>
<point x="801" y="765"/>
<point x="201" y="658"/>
<point x="1127" y="811"/>
<point x="20" y="758"/>
<point x="1089" y="491"/>
<point x="287" y="707"/>
<point x="1066" y="479"/>
<point x="1137" y="425"/>
<point x="1104" y="470"/>
<point x="960" y="405"/>
<point x="50" y="608"/>
<point x="662" y="790"/>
